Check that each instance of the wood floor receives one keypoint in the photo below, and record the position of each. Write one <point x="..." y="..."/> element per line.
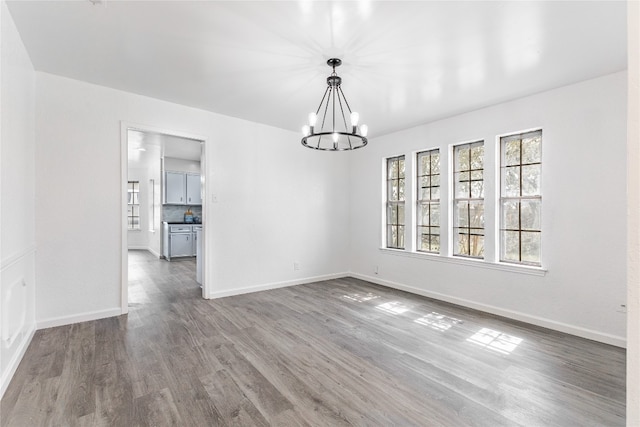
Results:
<point x="341" y="352"/>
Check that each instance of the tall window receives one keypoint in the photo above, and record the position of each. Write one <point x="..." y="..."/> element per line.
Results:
<point x="468" y="200"/>
<point x="520" y="198"/>
<point x="395" y="202"/>
<point x="428" y="206"/>
<point x="133" y="205"/>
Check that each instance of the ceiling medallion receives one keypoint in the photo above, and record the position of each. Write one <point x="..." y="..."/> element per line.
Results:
<point x="334" y="134"/>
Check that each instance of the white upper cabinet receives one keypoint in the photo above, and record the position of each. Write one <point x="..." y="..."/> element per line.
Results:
<point x="182" y="188"/>
<point x="174" y="188"/>
<point x="194" y="196"/>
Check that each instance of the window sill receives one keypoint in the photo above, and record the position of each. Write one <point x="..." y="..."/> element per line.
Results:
<point x="501" y="266"/>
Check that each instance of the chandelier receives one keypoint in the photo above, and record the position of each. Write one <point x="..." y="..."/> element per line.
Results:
<point x="334" y="133"/>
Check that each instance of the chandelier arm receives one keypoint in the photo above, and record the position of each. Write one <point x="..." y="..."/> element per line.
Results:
<point x="345" y="100"/>
<point x="324" y="117"/>
<point x="333" y="107"/>
<point x="323" y="96"/>
<point x="344" y="119"/>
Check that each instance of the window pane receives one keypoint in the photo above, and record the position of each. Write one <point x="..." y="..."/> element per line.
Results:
<point x="462" y="247"/>
<point x="476" y="214"/>
<point x="476" y="245"/>
<point x="423" y="214"/>
<point x="435" y="193"/>
<point x="510" y="215"/>
<point x="531" y="247"/>
<point x="530" y="214"/>
<point x="424" y="164"/>
<point x="477" y="157"/>
<point x="423" y="244"/>
<point x="511" y="182"/>
<point x="392" y="214"/>
<point x="477" y="189"/>
<point x="463" y="189"/>
<point x="531" y="150"/>
<point x="435" y="243"/>
<point x="462" y="158"/>
<point x="531" y="180"/>
<point x="462" y="214"/>
<point x="511" y="152"/>
<point x="435" y="180"/>
<point x="391" y="236"/>
<point x="135" y="210"/>
<point x="400" y="236"/>
<point x="392" y="193"/>
<point x="401" y="189"/>
<point x="435" y="163"/>
<point x="401" y="167"/>
<point x="401" y="214"/>
<point x="510" y="246"/>
<point x="392" y="168"/>
<point x="435" y="214"/>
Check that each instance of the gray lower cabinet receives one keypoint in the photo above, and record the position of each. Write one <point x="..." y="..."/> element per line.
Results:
<point x="178" y="241"/>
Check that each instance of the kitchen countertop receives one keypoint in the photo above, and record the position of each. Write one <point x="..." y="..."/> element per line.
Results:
<point x="181" y="223"/>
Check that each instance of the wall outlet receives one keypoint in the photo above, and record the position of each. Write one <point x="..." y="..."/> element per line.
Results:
<point x="375" y="269"/>
<point x="622" y="308"/>
<point x="296" y="266"/>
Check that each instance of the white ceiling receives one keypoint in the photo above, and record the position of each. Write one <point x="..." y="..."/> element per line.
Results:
<point x="147" y="147"/>
<point x="405" y="63"/>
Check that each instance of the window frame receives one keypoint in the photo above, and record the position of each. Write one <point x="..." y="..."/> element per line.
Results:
<point x="454" y="200"/>
<point x="133" y="201"/>
<point x="400" y="222"/>
<point x="500" y="243"/>
<point x="430" y="202"/>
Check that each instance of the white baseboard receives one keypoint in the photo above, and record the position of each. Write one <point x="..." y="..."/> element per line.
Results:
<point x="154" y="253"/>
<point x="7" y="375"/>
<point x="515" y="315"/>
<point x="275" y="285"/>
<point x="137" y="248"/>
<point x="77" y="318"/>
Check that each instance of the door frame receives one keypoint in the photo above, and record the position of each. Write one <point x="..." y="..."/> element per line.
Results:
<point x="124" y="172"/>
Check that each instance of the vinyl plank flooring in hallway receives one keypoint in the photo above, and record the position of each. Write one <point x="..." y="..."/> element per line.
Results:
<point x="339" y="352"/>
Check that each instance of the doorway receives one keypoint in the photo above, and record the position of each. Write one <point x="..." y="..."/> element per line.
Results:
<point x="151" y="214"/>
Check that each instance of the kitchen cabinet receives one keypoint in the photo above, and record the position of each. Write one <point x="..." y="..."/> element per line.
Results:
<point x="180" y="245"/>
<point x="174" y="188"/>
<point x="182" y="188"/>
<point x="178" y="240"/>
<point x="194" y="238"/>
<point x="194" y="196"/>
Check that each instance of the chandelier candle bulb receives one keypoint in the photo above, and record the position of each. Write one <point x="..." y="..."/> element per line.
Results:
<point x="364" y="130"/>
<point x="354" y="119"/>
<point x="313" y="118"/>
<point x="335" y="133"/>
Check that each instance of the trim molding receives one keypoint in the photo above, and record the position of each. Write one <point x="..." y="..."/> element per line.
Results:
<point x="154" y="253"/>
<point x="17" y="256"/>
<point x="511" y="314"/>
<point x="77" y="318"/>
<point x="15" y="360"/>
<point x="276" y="285"/>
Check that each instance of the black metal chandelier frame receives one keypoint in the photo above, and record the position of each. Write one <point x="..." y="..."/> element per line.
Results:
<point x="338" y="138"/>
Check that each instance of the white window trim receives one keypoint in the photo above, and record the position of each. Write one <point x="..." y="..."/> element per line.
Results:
<point x="451" y="201"/>
<point x="497" y="207"/>
<point x="471" y="262"/>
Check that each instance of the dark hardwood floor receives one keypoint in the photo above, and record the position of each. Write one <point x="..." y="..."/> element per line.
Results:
<point x="340" y="352"/>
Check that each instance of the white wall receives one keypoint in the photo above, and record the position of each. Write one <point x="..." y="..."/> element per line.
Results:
<point x="17" y="182"/>
<point x="277" y="202"/>
<point x="584" y="132"/>
<point x="633" y="218"/>
<point x="181" y="165"/>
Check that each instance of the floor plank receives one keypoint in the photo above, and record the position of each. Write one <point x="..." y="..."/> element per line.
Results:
<point x="338" y="352"/>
